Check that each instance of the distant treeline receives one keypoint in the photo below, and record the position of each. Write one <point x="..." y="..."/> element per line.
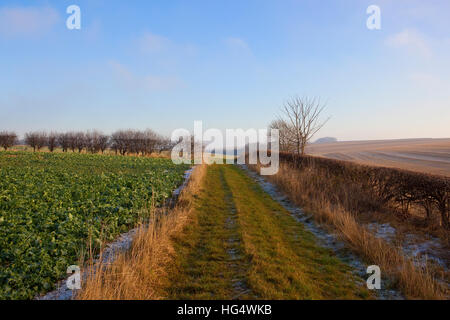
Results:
<point x="121" y="142"/>
<point x="393" y="187"/>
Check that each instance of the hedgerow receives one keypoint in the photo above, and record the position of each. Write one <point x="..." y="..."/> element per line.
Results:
<point x="390" y="186"/>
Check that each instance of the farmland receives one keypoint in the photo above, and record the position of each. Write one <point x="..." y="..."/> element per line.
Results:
<point x="54" y="206"/>
<point x="423" y="155"/>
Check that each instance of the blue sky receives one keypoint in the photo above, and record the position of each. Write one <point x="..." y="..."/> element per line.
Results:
<point x="164" y="64"/>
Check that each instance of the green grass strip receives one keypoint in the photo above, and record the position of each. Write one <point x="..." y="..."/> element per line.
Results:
<point x="241" y="244"/>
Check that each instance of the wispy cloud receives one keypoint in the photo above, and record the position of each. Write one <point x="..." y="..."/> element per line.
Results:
<point x="237" y="45"/>
<point x="153" y="43"/>
<point x="150" y="43"/>
<point x="149" y="82"/>
<point x="410" y="40"/>
<point x="26" y="21"/>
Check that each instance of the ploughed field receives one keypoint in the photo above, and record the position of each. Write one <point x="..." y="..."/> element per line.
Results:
<point x="424" y="155"/>
<point x="53" y="207"/>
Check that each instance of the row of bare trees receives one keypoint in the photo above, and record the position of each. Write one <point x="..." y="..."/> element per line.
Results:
<point x="138" y="142"/>
<point x="298" y="123"/>
<point x="91" y="141"/>
<point x="122" y="142"/>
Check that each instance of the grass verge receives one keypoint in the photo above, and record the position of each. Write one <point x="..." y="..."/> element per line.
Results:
<point x="306" y="189"/>
<point x="138" y="273"/>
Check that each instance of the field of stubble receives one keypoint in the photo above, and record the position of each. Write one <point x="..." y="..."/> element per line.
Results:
<point x="424" y="155"/>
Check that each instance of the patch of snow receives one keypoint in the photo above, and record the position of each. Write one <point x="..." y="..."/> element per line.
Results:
<point x="424" y="252"/>
<point x="384" y="231"/>
<point x="421" y="251"/>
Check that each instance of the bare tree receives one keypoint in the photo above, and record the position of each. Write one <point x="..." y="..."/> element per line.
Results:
<point x="151" y="141"/>
<point x="102" y="142"/>
<point x="120" y="141"/>
<point x="31" y="139"/>
<point x="80" y="141"/>
<point x="135" y="142"/>
<point x="7" y="139"/>
<point x="36" y="140"/>
<point x="286" y="144"/>
<point x="164" y="144"/>
<point x="63" y="141"/>
<point x="90" y="141"/>
<point x="41" y="140"/>
<point x="72" y="141"/>
<point x="52" y="141"/>
<point x="301" y="121"/>
<point x="96" y="141"/>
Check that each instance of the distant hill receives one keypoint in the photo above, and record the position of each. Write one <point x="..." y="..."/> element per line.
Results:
<point x="326" y="140"/>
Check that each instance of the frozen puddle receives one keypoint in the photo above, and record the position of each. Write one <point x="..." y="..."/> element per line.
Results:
<point x="325" y="239"/>
<point x="121" y="244"/>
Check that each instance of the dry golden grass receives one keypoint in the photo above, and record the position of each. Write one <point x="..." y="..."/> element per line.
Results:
<point x="138" y="273"/>
<point x="306" y="189"/>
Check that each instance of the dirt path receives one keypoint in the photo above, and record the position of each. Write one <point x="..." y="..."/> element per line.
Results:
<point x="236" y="263"/>
<point x="242" y="244"/>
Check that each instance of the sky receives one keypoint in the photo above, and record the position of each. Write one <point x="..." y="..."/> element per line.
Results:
<point x="231" y="64"/>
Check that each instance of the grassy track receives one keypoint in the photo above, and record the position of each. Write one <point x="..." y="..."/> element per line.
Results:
<point x="239" y="243"/>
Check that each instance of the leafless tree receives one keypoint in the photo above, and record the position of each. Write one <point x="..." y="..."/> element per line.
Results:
<point x="114" y="145"/>
<point x="41" y="140"/>
<point x="286" y="144"/>
<point x="151" y="141"/>
<point x="102" y="142"/>
<point x="72" y="140"/>
<point x="135" y="142"/>
<point x="80" y="141"/>
<point x="300" y="121"/>
<point x="91" y="141"/>
<point x="52" y="141"/>
<point x="36" y="140"/>
<point x="31" y="139"/>
<point x="96" y="141"/>
<point x="120" y="141"/>
<point x="164" y="144"/>
<point x="63" y="141"/>
<point x="7" y="139"/>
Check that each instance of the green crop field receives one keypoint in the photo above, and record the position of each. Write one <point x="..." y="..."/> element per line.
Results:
<point x="53" y="205"/>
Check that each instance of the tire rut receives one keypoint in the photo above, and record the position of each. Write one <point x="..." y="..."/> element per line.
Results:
<point x="234" y="246"/>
